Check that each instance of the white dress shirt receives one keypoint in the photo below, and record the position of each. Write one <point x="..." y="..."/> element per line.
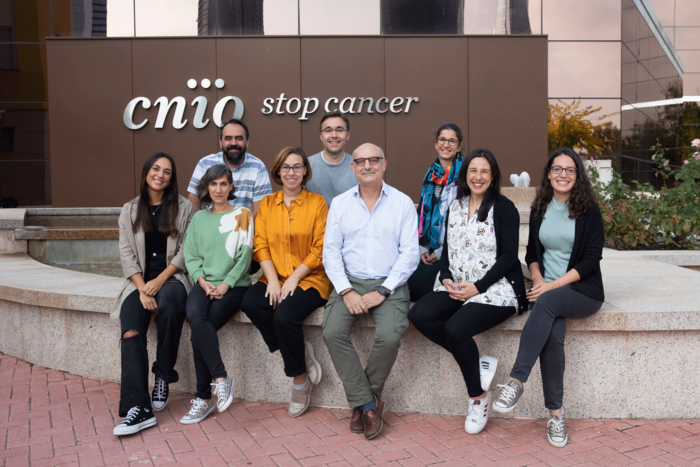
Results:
<point x="376" y="245"/>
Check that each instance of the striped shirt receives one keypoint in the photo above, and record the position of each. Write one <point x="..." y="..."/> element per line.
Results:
<point x="250" y="179"/>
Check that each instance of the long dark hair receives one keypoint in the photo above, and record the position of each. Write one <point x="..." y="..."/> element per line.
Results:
<point x="494" y="190"/>
<point x="582" y="194"/>
<point x="169" y="210"/>
<point x="214" y="172"/>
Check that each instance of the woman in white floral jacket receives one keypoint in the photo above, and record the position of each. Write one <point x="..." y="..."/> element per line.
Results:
<point x="483" y="284"/>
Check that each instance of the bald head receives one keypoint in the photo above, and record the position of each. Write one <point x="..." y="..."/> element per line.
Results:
<point x="368" y="150"/>
<point x="369" y="164"/>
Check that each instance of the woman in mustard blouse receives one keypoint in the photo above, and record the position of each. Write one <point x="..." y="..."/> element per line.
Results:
<point x="288" y="244"/>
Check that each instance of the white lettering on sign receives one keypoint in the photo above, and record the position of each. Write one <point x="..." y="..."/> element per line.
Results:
<point x="303" y="106"/>
<point x="179" y="122"/>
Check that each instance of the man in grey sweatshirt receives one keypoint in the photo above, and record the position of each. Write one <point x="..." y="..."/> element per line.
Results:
<point x="332" y="174"/>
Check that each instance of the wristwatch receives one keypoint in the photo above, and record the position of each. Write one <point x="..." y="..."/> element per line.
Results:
<point x="384" y="291"/>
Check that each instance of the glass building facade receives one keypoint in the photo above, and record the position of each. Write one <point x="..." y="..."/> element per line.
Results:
<point x="636" y="60"/>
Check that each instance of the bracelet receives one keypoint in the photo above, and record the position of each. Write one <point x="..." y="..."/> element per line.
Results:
<point x="347" y="292"/>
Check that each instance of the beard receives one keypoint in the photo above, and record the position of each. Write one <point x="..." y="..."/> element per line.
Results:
<point x="234" y="153"/>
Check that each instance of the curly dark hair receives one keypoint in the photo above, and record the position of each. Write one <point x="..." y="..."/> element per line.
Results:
<point x="582" y="194"/>
<point x="214" y="172"/>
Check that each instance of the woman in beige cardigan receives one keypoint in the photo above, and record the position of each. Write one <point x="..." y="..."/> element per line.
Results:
<point x="152" y="231"/>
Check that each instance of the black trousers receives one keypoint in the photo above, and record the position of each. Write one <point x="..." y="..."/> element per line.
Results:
<point x="281" y="327"/>
<point x="422" y="280"/>
<point x="452" y="326"/>
<point x="169" y="318"/>
<point x="206" y="317"/>
<point x="543" y="336"/>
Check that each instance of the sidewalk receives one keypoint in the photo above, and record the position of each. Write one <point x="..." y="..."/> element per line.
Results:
<point x="50" y="418"/>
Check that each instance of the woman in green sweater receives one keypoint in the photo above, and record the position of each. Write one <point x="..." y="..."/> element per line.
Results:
<point x="218" y="251"/>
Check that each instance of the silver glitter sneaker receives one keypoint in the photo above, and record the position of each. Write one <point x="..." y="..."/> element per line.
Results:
<point x="300" y="399"/>
<point x="313" y="368"/>
<point x="199" y="411"/>
<point x="556" y="433"/>
<point x="508" y="397"/>
<point x="224" y="393"/>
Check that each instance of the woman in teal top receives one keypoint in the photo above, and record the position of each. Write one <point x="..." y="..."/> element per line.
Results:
<point x="218" y="251"/>
<point x="564" y="250"/>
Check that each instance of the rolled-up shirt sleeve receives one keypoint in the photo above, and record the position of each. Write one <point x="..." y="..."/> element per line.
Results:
<point x="314" y="260"/>
<point x="332" y="251"/>
<point x="409" y="254"/>
<point x="261" y="249"/>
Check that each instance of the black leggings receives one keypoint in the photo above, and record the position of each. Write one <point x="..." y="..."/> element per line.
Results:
<point x="452" y="326"/>
<point x="281" y="327"/>
<point x="206" y="317"/>
<point x="169" y="318"/>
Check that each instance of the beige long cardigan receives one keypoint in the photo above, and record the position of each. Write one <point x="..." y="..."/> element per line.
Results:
<point x="132" y="249"/>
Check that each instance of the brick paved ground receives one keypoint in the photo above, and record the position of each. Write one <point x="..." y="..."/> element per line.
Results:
<point x="50" y="418"/>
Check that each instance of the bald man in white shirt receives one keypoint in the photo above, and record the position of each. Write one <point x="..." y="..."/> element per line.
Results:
<point x="370" y="250"/>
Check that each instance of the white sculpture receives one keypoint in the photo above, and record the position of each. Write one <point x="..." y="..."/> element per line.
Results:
<point x="521" y="181"/>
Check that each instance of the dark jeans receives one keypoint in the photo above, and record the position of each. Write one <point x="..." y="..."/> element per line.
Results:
<point x="421" y="281"/>
<point x="543" y="337"/>
<point x="169" y="318"/>
<point x="281" y="327"/>
<point x="206" y="317"/>
<point x="452" y="326"/>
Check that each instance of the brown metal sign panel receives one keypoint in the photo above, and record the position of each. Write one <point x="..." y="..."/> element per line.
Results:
<point x="116" y="101"/>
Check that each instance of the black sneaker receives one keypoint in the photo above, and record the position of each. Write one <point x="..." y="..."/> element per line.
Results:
<point x="159" y="396"/>
<point x="136" y="420"/>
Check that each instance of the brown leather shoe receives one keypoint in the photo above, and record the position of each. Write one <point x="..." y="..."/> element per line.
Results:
<point x="373" y="419"/>
<point x="356" y="423"/>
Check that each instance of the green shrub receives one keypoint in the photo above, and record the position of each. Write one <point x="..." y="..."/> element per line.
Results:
<point x="648" y="218"/>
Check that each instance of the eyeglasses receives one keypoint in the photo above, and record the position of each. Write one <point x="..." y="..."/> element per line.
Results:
<point x="329" y="131"/>
<point x="296" y="168"/>
<point x="556" y="170"/>
<point x="372" y="161"/>
<point x="451" y="141"/>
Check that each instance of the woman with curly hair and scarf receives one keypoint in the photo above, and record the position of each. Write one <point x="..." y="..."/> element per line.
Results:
<point x="564" y="250"/>
<point x="438" y="192"/>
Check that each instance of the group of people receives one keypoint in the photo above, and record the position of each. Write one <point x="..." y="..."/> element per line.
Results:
<point x="337" y="235"/>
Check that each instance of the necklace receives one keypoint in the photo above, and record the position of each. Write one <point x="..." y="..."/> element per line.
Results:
<point x="153" y="213"/>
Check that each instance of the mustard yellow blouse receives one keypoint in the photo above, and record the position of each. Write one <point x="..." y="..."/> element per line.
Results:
<point x="293" y="236"/>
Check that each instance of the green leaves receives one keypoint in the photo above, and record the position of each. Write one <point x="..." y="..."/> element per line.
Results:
<point x="649" y="218"/>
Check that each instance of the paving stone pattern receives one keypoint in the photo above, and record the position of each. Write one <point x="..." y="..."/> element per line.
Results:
<point x="50" y="418"/>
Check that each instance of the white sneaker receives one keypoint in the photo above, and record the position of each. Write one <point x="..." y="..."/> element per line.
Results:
<point x="478" y="414"/>
<point x="224" y="393"/>
<point x="487" y="367"/>
<point x="199" y="411"/>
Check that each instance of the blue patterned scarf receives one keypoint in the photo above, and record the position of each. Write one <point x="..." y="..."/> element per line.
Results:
<point x="430" y="222"/>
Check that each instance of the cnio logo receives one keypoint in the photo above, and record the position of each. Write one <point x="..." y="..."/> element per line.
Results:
<point x="294" y="105"/>
<point x="180" y="104"/>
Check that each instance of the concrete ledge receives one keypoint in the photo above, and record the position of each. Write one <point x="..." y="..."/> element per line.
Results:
<point x="618" y="361"/>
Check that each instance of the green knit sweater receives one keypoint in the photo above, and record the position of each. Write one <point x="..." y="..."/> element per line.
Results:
<point x="219" y="247"/>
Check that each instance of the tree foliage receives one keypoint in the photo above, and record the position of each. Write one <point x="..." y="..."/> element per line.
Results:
<point x="573" y="126"/>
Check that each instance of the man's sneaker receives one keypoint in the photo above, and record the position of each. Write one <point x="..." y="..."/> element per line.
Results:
<point x="136" y="420"/>
<point x="199" y="411"/>
<point x="556" y="433"/>
<point x="313" y="368"/>
<point x="508" y="397"/>
<point x="478" y="414"/>
<point x="487" y="368"/>
<point x="224" y="393"/>
<point x="159" y="396"/>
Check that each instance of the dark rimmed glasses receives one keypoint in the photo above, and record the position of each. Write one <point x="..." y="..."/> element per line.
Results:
<point x="557" y="169"/>
<point x="372" y="161"/>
